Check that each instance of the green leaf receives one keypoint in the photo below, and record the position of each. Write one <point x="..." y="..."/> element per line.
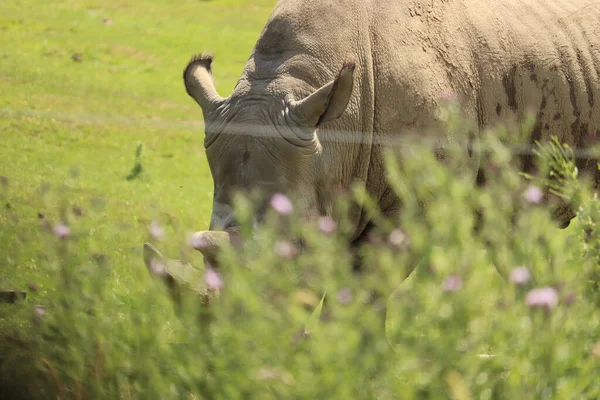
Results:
<point x="138" y="150"/>
<point x="312" y="325"/>
<point x="137" y="169"/>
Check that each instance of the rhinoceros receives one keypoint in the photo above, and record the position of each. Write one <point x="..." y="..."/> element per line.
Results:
<point x="328" y="80"/>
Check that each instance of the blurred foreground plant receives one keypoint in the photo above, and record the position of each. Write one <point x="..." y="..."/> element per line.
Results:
<point x="301" y="324"/>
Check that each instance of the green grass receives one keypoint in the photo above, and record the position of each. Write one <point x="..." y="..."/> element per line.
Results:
<point x="69" y="128"/>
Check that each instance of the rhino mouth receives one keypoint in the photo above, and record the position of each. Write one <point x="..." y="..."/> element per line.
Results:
<point x="209" y="243"/>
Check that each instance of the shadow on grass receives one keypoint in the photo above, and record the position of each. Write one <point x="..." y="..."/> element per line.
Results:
<point x="20" y="377"/>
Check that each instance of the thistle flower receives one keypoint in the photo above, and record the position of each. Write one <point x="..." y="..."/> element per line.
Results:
<point x="212" y="279"/>
<point x="281" y="204"/>
<point x="545" y="297"/>
<point x="397" y="238"/>
<point x="453" y="283"/>
<point x="520" y="275"/>
<point x="157" y="268"/>
<point x="156" y="231"/>
<point x="285" y="249"/>
<point x="326" y="225"/>
<point x="62" y="231"/>
<point x="344" y="296"/>
<point x="39" y="311"/>
<point x="534" y="195"/>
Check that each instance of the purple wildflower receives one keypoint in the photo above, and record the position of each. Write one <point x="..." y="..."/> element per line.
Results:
<point x="281" y="204"/>
<point x="285" y="249"/>
<point x="157" y="268"/>
<point x="397" y="238"/>
<point x="453" y="283"/>
<point x="326" y="225"/>
<point x="520" y="275"/>
<point x="344" y="296"/>
<point x="61" y="230"/>
<point x="545" y="297"/>
<point x="156" y="230"/>
<point x="534" y="195"/>
<point x="39" y="310"/>
<point x="212" y="279"/>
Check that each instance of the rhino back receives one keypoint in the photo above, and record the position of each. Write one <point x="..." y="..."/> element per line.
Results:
<point x="501" y="59"/>
<point x="549" y="53"/>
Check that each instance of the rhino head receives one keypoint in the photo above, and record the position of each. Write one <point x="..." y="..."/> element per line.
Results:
<point x="264" y="139"/>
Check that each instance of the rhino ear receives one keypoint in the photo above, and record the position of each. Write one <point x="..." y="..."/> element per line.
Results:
<point x="328" y="102"/>
<point x="199" y="82"/>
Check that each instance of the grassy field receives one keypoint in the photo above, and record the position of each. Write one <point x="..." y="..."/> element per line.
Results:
<point x="82" y="83"/>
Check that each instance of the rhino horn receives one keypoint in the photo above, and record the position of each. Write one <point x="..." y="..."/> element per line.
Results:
<point x="328" y="102"/>
<point x="209" y="242"/>
<point x="199" y="82"/>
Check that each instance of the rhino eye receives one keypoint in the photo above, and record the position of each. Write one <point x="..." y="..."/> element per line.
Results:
<point x="246" y="156"/>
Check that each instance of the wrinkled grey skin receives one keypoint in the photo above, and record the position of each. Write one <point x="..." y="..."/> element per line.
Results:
<point x="328" y="80"/>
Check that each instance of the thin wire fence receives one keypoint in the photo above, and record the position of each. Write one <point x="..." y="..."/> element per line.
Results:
<point x="400" y="139"/>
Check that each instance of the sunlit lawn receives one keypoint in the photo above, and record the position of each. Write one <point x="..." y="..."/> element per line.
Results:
<point x="82" y="83"/>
